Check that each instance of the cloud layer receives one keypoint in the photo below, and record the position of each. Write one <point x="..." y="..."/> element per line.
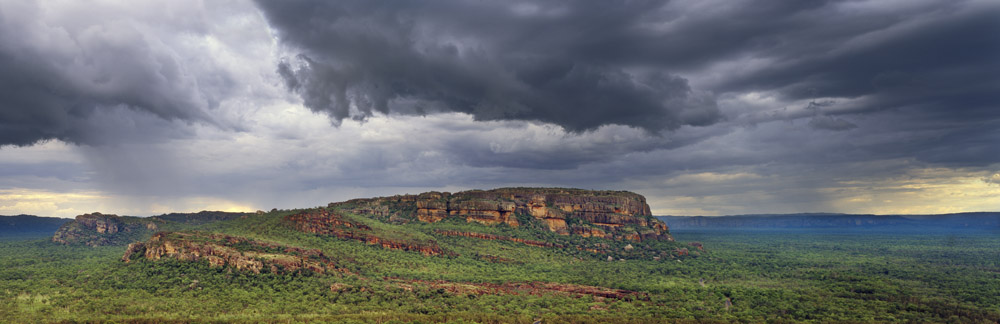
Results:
<point x="62" y="73"/>
<point x="709" y="107"/>
<point x="493" y="60"/>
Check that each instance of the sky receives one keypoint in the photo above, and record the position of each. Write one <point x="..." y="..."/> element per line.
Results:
<point x="706" y="107"/>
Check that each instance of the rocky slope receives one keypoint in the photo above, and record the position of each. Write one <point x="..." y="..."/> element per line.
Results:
<point x="230" y="251"/>
<point x="325" y="222"/>
<point x="612" y="224"/>
<point x="605" y="214"/>
<point x="493" y="237"/>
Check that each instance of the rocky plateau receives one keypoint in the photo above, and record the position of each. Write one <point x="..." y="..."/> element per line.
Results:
<point x="617" y="215"/>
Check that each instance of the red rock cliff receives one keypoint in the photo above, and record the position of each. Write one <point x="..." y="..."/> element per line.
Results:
<point x="324" y="222"/>
<point x="609" y="214"/>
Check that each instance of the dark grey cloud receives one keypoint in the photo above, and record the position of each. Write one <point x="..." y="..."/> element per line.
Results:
<point x="931" y="64"/>
<point x="60" y="70"/>
<point x="927" y="68"/>
<point x="920" y="52"/>
<point x="493" y="60"/>
<point x="529" y="150"/>
<point x="58" y="170"/>
<point x="831" y="123"/>
<point x="719" y="105"/>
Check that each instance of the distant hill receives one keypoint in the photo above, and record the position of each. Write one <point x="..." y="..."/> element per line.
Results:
<point x="30" y="225"/>
<point x="606" y="225"/>
<point x="978" y="221"/>
<point x="107" y="229"/>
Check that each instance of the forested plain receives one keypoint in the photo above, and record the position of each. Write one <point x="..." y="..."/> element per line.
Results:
<point x="828" y="275"/>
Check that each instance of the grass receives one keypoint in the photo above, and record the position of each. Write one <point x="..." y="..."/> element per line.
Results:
<point x="768" y="276"/>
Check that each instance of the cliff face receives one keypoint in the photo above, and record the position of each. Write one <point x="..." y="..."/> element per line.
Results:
<point x="435" y="206"/>
<point x="325" y="222"/>
<point x="230" y="251"/>
<point x="101" y="223"/>
<point x="604" y="214"/>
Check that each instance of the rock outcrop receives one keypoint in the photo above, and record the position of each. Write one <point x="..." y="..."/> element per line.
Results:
<point x="230" y="251"/>
<point x="605" y="214"/>
<point x="100" y="223"/>
<point x="106" y="229"/>
<point x="325" y="222"/>
<point x="98" y="229"/>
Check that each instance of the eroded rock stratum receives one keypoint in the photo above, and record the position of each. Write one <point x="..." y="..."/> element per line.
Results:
<point x="230" y="251"/>
<point x="588" y="213"/>
<point x="332" y="223"/>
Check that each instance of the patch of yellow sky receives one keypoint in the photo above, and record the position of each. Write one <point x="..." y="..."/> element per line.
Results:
<point x="67" y="205"/>
<point x="920" y="191"/>
<point x="925" y="191"/>
<point x="917" y="191"/>
<point x="44" y="203"/>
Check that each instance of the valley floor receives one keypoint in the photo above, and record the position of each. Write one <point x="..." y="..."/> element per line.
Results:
<point x="745" y="276"/>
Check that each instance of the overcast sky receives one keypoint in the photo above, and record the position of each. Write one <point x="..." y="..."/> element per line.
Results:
<point x="706" y="107"/>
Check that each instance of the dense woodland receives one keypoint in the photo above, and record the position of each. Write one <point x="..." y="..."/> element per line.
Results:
<point x="743" y="276"/>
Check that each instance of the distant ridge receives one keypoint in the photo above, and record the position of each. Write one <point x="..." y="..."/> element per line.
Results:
<point x="976" y="220"/>
<point x="30" y="225"/>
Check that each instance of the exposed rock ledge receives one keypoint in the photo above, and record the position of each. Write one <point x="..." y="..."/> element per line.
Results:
<point x="230" y="251"/>
<point x="604" y="214"/>
<point x="324" y="222"/>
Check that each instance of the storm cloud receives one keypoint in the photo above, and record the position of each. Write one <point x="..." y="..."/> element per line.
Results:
<point x="493" y="60"/>
<point x="705" y="106"/>
<point x="64" y="68"/>
<point x="659" y="65"/>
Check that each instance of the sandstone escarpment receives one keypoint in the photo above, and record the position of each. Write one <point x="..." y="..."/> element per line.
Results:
<point x="230" y="251"/>
<point x="325" y="222"/>
<point x="485" y="212"/>
<point x="435" y="206"/>
<point x="605" y="214"/>
<point x="100" y="223"/>
<point x="588" y="231"/>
